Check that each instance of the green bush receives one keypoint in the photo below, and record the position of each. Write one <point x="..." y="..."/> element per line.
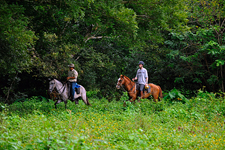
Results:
<point x="36" y="124"/>
<point x="175" y="95"/>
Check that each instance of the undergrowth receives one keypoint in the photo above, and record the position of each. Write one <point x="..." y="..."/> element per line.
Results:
<point x="195" y="123"/>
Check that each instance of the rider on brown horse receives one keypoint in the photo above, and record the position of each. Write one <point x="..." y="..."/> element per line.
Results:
<point x="142" y="77"/>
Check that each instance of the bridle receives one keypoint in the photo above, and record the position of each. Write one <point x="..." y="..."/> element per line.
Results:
<point x="128" y="84"/>
<point x="54" y="87"/>
<point x="51" y="90"/>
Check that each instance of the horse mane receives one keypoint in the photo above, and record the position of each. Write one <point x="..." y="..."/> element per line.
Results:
<point x="128" y="78"/>
<point x="58" y="81"/>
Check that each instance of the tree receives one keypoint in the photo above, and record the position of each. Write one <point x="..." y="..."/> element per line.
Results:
<point x="16" y="42"/>
<point x="201" y="51"/>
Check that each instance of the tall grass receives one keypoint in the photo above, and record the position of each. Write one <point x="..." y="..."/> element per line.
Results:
<point x="196" y="124"/>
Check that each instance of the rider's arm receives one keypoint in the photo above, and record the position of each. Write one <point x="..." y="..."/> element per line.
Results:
<point x="147" y="80"/>
<point x="74" y="75"/>
<point x="134" y="78"/>
<point x="146" y="77"/>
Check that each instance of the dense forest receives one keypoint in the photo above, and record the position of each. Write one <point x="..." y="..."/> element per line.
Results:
<point x="182" y="43"/>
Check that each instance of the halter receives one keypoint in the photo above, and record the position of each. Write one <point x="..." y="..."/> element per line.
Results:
<point x="128" y="84"/>
<point x="58" y="90"/>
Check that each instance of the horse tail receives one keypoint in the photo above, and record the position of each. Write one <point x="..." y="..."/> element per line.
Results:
<point x="160" y="92"/>
<point x="87" y="101"/>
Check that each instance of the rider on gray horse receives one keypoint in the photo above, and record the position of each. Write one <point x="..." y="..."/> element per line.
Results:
<point x="72" y="78"/>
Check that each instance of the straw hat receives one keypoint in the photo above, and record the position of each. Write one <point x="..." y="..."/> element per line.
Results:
<point x="71" y="65"/>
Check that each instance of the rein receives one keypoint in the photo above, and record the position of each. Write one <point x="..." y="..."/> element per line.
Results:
<point x="130" y="89"/>
<point x="59" y="94"/>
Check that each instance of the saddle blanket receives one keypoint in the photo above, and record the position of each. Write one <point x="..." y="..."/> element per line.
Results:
<point x="77" y="86"/>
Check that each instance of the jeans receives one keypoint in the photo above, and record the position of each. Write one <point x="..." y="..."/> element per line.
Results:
<point x="73" y="85"/>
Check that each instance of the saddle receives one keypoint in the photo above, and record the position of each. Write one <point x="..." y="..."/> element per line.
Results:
<point x="148" y="89"/>
<point x="77" y="88"/>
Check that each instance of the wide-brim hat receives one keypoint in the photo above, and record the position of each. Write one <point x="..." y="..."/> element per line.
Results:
<point x="71" y="65"/>
<point x="141" y="62"/>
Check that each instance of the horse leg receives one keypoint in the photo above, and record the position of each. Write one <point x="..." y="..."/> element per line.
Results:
<point x="76" y="101"/>
<point x="65" y="102"/>
<point x="142" y="96"/>
<point x="57" y="102"/>
<point x="155" y="96"/>
<point x="85" y="99"/>
<point x="133" y="99"/>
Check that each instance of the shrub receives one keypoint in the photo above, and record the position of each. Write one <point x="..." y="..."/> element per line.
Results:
<point x="175" y="95"/>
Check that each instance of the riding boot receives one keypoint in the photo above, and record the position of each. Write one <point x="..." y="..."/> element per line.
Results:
<point x="139" y="100"/>
<point x="69" y="90"/>
<point x="141" y="94"/>
<point x="72" y="96"/>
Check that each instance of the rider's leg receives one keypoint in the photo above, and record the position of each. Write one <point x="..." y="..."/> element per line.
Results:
<point x="142" y="86"/>
<point x="69" y="88"/>
<point x="73" y="84"/>
<point x="138" y="89"/>
<point x="141" y="94"/>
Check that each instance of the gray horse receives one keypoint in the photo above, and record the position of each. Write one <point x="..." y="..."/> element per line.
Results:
<point x="64" y="92"/>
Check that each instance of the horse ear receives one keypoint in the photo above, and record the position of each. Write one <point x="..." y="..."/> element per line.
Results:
<point x="50" y="79"/>
<point x="121" y="76"/>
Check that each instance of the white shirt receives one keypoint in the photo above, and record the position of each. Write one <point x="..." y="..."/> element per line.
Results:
<point x="73" y="73"/>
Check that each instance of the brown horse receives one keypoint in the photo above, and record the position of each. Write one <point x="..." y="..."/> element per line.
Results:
<point x="130" y="87"/>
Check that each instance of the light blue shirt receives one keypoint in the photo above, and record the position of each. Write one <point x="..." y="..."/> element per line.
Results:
<point x="141" y="75"/>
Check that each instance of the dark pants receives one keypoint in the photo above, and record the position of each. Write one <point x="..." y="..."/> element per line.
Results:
<point x="140" y="87"/>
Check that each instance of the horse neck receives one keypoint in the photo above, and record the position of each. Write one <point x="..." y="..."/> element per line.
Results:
<point x="59" y="86"/>
<point x="128" y="84"/>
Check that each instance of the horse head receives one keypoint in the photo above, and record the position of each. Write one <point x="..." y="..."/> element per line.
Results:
<point x="120" y="82"/>
<point x="51" y="86"/>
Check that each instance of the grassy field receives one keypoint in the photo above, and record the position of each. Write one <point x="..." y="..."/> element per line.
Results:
<point x="196" y="124"/>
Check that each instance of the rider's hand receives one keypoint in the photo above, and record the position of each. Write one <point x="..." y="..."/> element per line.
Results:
<point x="133" y="79"/>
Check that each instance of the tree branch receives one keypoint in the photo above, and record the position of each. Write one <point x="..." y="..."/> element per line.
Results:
<point x="10" y="87"/>
<point x="145" y="16"/>
<point x="96" y="37"/>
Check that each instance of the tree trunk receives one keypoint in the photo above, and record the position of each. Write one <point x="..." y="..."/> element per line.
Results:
<point x="6" y="100"/>
<point x="221" y="70"/>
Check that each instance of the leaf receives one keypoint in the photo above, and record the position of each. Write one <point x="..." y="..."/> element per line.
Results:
<point x="172" y="95"/>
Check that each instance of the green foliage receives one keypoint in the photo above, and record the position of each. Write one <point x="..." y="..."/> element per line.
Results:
<point x="179" y="41"/>
<point x="205" y="95"/>
<point x="16" y="41"/>
<point x="124" y="97"/>
<point x="35" y="124"/>
<point x="175" y="95"/>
